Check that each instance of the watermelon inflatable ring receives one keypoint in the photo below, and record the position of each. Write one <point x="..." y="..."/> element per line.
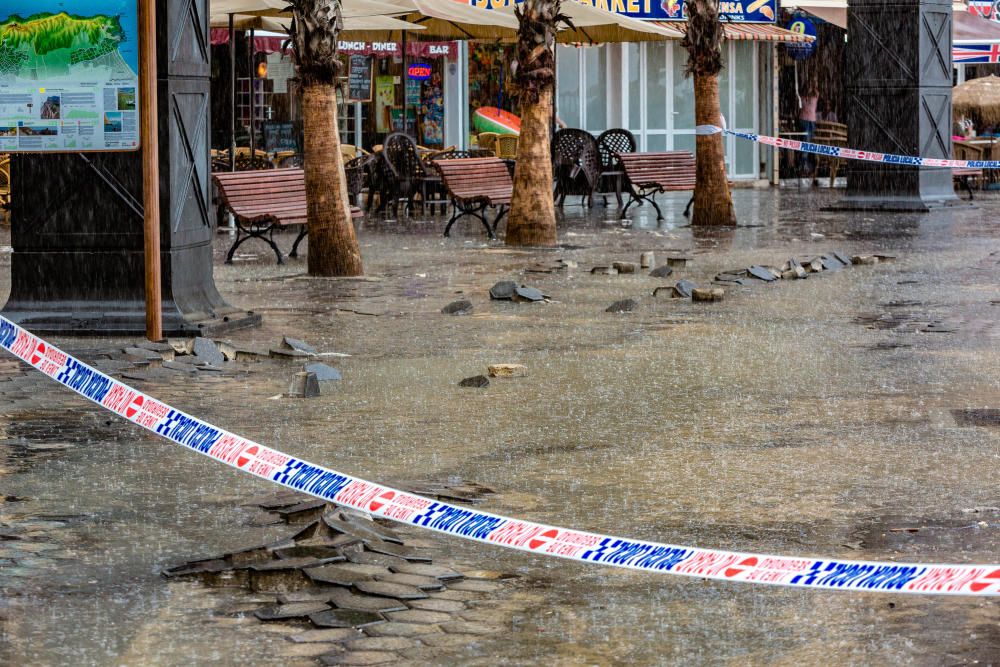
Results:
<point x="491" y="119"/>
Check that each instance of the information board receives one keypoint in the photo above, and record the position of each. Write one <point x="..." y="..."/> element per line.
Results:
<point x="69" y="75"/>
<point x="359" y="79"/>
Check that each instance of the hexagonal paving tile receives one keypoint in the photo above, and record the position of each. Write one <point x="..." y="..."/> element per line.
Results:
<point x="327" y="635"/>
<point x="423" y="583"/>
<point x="344" y="599"/>
<point x="345" y="618"/>
<point x="380" y="643"/>
<point x="394" y="629"/>
<point x="419" y="616"/>
<point x="437" y="604"/>
<point x="386" y="589"/>
<point x="358" y="658"/>
<point x="427" y="570"/>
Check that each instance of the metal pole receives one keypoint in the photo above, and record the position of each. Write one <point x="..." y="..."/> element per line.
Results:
<point x="149" y="131"/>
<point x="253" y="100"/>
<point x="406" y="86"/>
<point x="232" y="93"/>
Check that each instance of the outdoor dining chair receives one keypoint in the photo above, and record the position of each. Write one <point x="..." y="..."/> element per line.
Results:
<point x="609" y="144"/>
<point x="576" y="165"/>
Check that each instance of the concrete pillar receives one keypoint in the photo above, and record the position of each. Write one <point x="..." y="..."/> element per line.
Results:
<point x="77" y="265"/>
<point x="899" y="101"/>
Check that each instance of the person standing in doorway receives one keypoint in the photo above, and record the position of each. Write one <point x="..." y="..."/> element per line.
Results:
<point x="807" y="122"/>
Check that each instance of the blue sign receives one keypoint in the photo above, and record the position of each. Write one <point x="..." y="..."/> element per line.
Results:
<point x="803" y="50"/>
<point x="735" y="11"/>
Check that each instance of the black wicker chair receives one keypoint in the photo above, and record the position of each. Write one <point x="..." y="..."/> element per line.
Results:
<point x="356" y="171"/>
<point x="576" y="165"/>
<point x="403" y="171"/>
<point x="612" y="178"/>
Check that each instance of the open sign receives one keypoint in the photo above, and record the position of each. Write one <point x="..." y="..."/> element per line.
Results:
<point x="419" y="71"/>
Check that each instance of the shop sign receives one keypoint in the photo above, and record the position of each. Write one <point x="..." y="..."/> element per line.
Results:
<point x="385" y="49"/>
<point x="419" y="71"/>
<point x="736" y="11"/>
<point x="988" y="9"/>
<point x="69" y="76"/>
<point x="359" y="79"/>
<point x="802" y="50"/>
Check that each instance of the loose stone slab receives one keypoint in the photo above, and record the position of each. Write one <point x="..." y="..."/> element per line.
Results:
<point x="708" y="294"/>
<point x="343" y="574"/>
<point x="683" y="289"/>
<point x="322" y="552"/>
<point x="461" y="307"/>
<point x="526" y="294"/>
<point x="364" y="528"/>
<point x="345" y="599"/>
<point x="423" y="583"/>
<point x="436" y="604"/>
<point x="380" y="644"/>
<point x="476" y="381"/>
<point x="345" y="618"/>
<point x="141" y="354"/>
<point x="372" y="558"/>
<point x="207" y="351"/>
<point x="359" y="658"/>
<point x="677" y="261"/>
<point x="661" y="272"/>
<point x="399" y="551"/>
<point x="624" y="267"/>
<point x="287" y="353"/>
<point x="290" y="343"/>
<point x="419" y="616"/>
<point x="323" y="372"/>
<point x="327" y="635"/>
<point x="427" y="570"/>
<point x="622" y="306"/>
<point x="390" y="590"/>
<point x="304" y="385"/>
<point x="503" y="290"/>
<point x="507" y="370"/>
<point x="762" y="273"/>
<point x="284" y="612"/>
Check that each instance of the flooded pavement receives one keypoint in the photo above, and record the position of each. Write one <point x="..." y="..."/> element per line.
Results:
<point x="847" y="415"/>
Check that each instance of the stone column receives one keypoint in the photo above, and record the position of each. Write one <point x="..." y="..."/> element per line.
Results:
<point x="899" y="101"/>
<point x="77" y="265"/>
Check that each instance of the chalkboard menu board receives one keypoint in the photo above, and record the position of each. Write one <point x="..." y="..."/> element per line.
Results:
<point x="359" y="81"/>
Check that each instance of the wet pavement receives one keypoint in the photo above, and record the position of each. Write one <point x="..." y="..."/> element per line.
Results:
<point x="847" y="414"/>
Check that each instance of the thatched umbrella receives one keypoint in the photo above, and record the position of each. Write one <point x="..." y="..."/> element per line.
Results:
<point x="978" y="99"/>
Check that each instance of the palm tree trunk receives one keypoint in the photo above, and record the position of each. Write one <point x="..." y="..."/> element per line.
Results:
<point x="532" y="219"/>
<point x="713" y="203"/>
<point x="333" y="245"/>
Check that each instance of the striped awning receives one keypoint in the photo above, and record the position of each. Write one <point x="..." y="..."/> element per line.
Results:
<point x="757" y="32"/>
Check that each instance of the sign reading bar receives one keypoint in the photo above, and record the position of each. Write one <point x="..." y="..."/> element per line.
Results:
<point x="359" y="79"/>
<point x="737" y="11"/>
<point x="69" y="76"/>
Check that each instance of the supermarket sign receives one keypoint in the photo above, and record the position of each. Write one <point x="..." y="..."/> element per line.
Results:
<point x="735" y="11"/>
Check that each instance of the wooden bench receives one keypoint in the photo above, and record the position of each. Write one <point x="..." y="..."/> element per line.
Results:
<point x="965" y="175"/>
<point x="263" y="201"/>
<point x="473" y="185"/>
<point x="649" y="173"/>
<point x="829" y="133"/>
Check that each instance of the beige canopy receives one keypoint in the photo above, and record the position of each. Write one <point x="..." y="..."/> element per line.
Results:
<point x="355" y="27"/>
<point x="979" y="99"/>
<point x="594" y="25"/>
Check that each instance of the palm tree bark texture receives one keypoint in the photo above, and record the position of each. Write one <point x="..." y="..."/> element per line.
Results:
<point x="532" y="220"/>
<point x="333" y="244"/>
<point x="713" y="203"/>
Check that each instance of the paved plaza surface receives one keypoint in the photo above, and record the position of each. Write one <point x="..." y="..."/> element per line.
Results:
<point x="845" y="415"/>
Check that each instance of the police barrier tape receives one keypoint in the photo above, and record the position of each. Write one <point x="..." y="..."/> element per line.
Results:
<point x="851" y="153"/>
<point x="389" y="503"/>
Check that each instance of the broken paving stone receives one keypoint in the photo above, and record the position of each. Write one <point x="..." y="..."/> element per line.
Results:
<point x="528" y="294"/>
<point x="284" y="612"/>
<point x="661" y="272"/>
<point x="507" y="370"/>
<point x="299" y="551"/>
<point x="864" y="260"/>
<point x="345" y="618"/>
<point x="503" y="290"/>
<point x="390" y="590"/>
<point x="181" y="345"/>
<point x="342" y="574"/>
<point x="677" y="261"/>
<point x="140" y="354"/>
<point x="436" y="604"/>
<point x="207" y="351"/>
<point x="323" y="372"/>
<point x="622" y="306"/>
<point x="762" y="273"/>
<point x="396" y="629"/>
<point x="624" y="267"/>
<point x="380" y="644"/>
<point x="419" y="616"/>
<point x="358" y="658"/>
<point x="604" y="271"/>
<point x="289" y="343"/>
<point x="304" y="385"/>
<point x="371" y="558"/>
<point x="814" y="265"/>
<point x="462" y="307"/>
<point x="179" y="367"/>
<point x="708" y="294"/>
<point x="288" y="353"/>
<point x="683" y="289"/>
<point x="426" y="569"/>
<point x="477" y="381"/>
<point x="831" y="263"/>
<point x="842" y="258"/>
<point x="421" y="582"/>
<point x="341" y="598"/>
<point x="469" y="628"/>
<point x="327" y="635"/>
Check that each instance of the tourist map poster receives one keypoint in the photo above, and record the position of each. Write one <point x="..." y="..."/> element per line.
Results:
<point x="69" y="75"/>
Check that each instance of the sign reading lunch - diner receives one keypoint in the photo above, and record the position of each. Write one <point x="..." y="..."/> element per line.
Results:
<point x="737" y="11"/>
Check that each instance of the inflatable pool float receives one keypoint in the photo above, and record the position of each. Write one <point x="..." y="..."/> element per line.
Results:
<point x="491" y="119"/>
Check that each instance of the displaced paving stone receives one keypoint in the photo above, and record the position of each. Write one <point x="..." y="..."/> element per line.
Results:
<point x="380" y="644"/>
<point x="345" y="599"/>
<point x="445" y="641"/>
<point x="473" y="585"/>
<point x="624" y="267"/>
<point x="140" y="354"/>
<point x="661" y="272"/>
<point x="396" y="629"/>
<point x="647" y="259"/>
<point x="323" y="372"/>
<point x="503" y="290"/>
<point x="340" y="574"/>
<point x="705" y="294"/>
<point x="864" y="260"/>
<point x="527" y="294"/>
<point x="390" y="590"/>
<point x="677" y="261"/>
<point x="476" y="381"/>
<point x="298" y="551"/>
<point x="361" y="527"/>
<point x="371" y="558"/>
<point x="436" y="604"/>
<point x="283" y="612"/>
<point x="507" y="370"/>
<point x="842" y="258"/>
<point x="683" y="289"/>
<point x="462" y="307"/>
<point x="290" y="343"/>
<point x="436" y="571"/>
<point x="815" y="265"/>
<point x="345" y="618"/>
<point x="304" y="385"/>
<point x="359" y="658"/>
<point x="622" y="306"/>
<point x="762" y="273"/>
<point x="423" y="583"/>
<point x="604" y="271"/>
<point x="288" y="353"/>
<point x="207" y="351"/>
<point x="419" y="616"/>
<point x="831" y="263"/>
<point x="469" y="628"/>
<point x="327" y="635"/>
